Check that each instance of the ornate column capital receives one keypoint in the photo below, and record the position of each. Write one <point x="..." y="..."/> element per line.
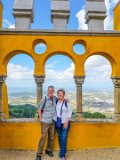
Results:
<point x="39" y="79"/>
<point x="116" y="82"/>
<point x="2" y="79"/>
<point x="79" y="80"/>
<point x="39" y="82"/>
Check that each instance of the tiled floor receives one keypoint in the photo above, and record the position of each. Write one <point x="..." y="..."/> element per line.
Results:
<point x="95" y="154"/>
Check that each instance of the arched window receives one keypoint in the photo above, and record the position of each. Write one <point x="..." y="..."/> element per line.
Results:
<point x="21" y="87"/>
<point x="98" y="88"/>
<point x="59" y="72"/>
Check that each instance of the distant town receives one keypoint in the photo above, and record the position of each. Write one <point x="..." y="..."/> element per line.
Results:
<point x="93" y="101"/>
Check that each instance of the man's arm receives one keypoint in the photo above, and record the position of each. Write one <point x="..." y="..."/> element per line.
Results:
<point x="40" y="107"/>
<point x="39" y="114"/>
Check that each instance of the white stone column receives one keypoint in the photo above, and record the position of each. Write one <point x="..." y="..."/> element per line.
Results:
<point x="79" y="80"/>
<point x="95" y="14"/>
<point x="60" y="13"/>
<point x="2" y="81"/>
<point x="39" y="81"/>
<point x="116" y="82"/>
<point x="23" y="13"/>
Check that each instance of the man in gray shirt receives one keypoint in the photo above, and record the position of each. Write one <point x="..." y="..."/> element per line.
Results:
<point x="46" y="115"/>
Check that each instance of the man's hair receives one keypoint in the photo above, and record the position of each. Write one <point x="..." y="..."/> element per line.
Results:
<point x="61" y="90"/>
<point x="52" y="87"/>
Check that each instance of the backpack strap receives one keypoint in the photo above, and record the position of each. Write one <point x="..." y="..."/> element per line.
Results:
<point x="44" y="104"/>
<point x="66" y="104"/>
<point x="61" y="108"/>
<point x="56" y="100"/>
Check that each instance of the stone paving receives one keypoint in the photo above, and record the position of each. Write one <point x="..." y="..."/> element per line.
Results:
<point x="93" y="154"/>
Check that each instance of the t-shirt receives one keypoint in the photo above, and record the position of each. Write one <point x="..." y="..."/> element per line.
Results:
<point x="49" y="111"/>
<point x="66" y="111"/>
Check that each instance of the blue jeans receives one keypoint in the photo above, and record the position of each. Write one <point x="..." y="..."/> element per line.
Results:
<point x="62" y="137"/>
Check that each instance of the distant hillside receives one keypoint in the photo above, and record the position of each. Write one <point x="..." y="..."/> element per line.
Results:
<point x="22" y="111"/>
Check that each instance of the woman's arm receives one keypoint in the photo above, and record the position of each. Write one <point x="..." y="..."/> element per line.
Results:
<point x="69" y="115"/>
<point x="69" y="111"/>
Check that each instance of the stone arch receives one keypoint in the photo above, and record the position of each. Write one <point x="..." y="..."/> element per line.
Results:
<point x="10" y="55"/>
<point x="108" y="57"/>
<point x="59" y="53"/>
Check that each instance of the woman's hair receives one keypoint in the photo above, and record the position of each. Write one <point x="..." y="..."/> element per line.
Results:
<point x="61" y="90"/>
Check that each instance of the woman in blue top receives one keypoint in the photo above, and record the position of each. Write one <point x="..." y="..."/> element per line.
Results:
<point x="64" y="111"/>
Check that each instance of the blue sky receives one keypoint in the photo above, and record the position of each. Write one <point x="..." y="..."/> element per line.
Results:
<point x="42" y="13"/>
<point x="98" y="69"/>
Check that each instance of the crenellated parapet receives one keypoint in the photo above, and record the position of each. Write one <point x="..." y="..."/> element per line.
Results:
<point x="95" y="14"/>
<point x="23" y="13"/>
<point x="60" y="13"/>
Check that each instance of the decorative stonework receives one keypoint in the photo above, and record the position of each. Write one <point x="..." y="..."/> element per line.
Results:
<point x="60" y="12"/>
<point x="116" y="81"/>
<point x="95" y="14"/>
<point x="79" y="80"/>
<point x="39" y="81"/>
<point x="23" y="13"/>
<point x="2" y="81"/>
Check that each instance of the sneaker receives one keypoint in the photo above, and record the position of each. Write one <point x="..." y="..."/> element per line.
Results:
<point x="49" y="153"/>
<point x="38" y="158"/>
<point x="63" y="158"/>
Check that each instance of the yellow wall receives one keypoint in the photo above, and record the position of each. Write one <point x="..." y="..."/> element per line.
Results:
<point x="117" y="17"/>
<point x="1" y="8"/>
<point x="60" y="44"/>
<point x="13" y="43"/>
<point x="25" y="135"/>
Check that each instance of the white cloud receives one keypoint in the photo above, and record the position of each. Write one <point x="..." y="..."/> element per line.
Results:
<point x="81" y="19"/>
<point x="98" y="69"/>
<point x="18" y="72"/>
<point x="19" y="76"/>
<point x="58" y="76"/>
<point x="51" y="65"/>
<point x="108" y="23"/>
<point x="8" y="24"/>
<point x="115" y="2"/>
